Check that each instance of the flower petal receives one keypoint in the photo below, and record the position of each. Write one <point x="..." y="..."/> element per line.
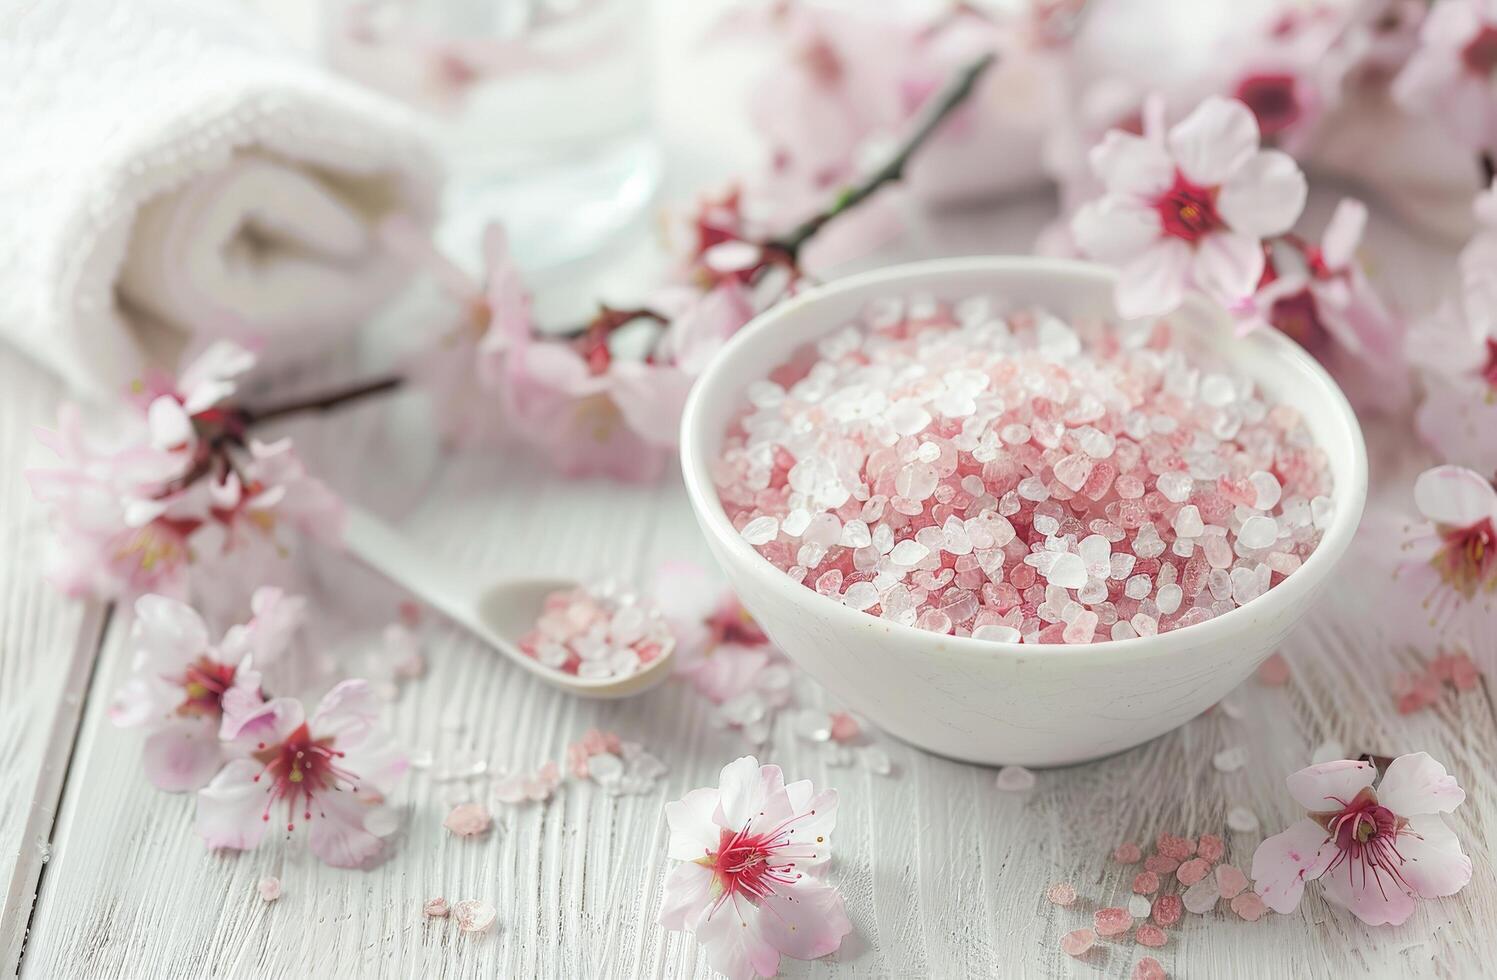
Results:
<point x="1373" y="897"/>
<point x="1213" y="141"/>
<point x="735" y="946"/>
<point x="688" y="891"/>
<point x="170" y="427"/>
<point x="805" y="920"/>
<point x="746" y="787"/>
<point x="231" y="807"/>
<point x="1416" y="784"/>
<point x="693" y="831"/>
<point x="1265" y="196"/>
<point x="1228" y="265"/>
<point x="1284" y="862"/>
<point x="1330" y="785"/>
<point x="183" y="756"/>
<point x="1133" y="165"/>
<point x="1434" y="865"/>
<point x="1154" y="283"/>
<point x="336" y="833"/>
<point x="167" y="635"/>
<point x="1115" y="229"/>
<point x="348" y="713"/>
<point x="1338" y="246"/>
<point x="1455" y="496"/>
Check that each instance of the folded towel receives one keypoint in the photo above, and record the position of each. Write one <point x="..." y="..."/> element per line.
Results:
<point x="173" y="172"/>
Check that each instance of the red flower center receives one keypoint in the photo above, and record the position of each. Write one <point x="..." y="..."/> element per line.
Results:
<point x="755" y="865"/>
<point x="203" y="684"/>
<point x="1468" y="561"/>
<point x="1188" y="210"/>
<point x="1490" y="371"/>
<point x="732" y="624"/>
<point x="298" y="769"/>
<point x="1273" y="99"/>
<point x="1299" y="318"/>
<point x="1366" y="832"/>
<point x="1480" y="53"/>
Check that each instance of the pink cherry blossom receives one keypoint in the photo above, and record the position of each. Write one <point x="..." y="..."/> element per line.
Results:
<point x="1451" y="74"/>
<point x="719" y="647"/>
<point x="1456" y="349"/>
<point x="1450" y="558"/>
<point x="1320" y="296"/>
<point x="180" y="681"/>
<point x="1374" y="850"/>
<point x="1189" y="210"/>
<point x="330" y="771"/>
<point x="752" y="854"/>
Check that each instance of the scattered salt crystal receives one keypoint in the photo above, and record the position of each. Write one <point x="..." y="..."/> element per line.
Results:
<point x="876" y="761"/>
<point x="1327" y="751"/>
<point x="1167" y="910"/>
<point x="1145" y="883"/>
<point x="1210" y="848"/>
<point x="435" y="908"/>
<point x="1242" y="820"/>
<point x="1127" y="854"/>
<point x="1230" y="760"/>
<point x="1151" y="936"/>
<point x="1230" y="881"/>
<point x="473" y="915"/>
<point x="1249" y="906"/>
<point x="1161" y="864"/>
<point x="1077" y="942"/>
<point x="1015" y="779"/>
<point x="1274" y="672"/>
<point x="1201" y="897"/>
<point x="1112" y="921"/>
<point x="1138" y="906"/>
<point x="1178" y="848"/>
<point x="1149" y="968"/>
<point x="1061" y="894"/>
<point x="469" y="820"/>
<point x="269" y="888"/>
<point x="1192" y="871"/>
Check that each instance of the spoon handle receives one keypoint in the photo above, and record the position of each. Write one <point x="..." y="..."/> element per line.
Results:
<point x="395" y="556"/>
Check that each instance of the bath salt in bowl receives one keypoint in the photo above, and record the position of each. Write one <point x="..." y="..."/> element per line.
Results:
<point x="1003" y="524"/>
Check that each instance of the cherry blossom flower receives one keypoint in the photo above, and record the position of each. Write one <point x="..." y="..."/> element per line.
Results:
<point x="1374" y="850"/>
<point x="1452" y="555"/>
<point x="1451" y="74"/>
<point x="1456" y="349"/>
<point x="1190" y="210"/>
<point x="330" y="771"/>
<point x="1320" y="297"/>
<point x="719" y="647"/>
<point x="752" y="853"/>
<point x="180" y="681"/>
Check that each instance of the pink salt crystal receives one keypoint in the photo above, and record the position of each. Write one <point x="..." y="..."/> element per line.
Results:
<point x="1230" y="881"/>
<point x="1145" y="883"/>
<point x="473" y="915"/>
<point x="1192" y="871"/>
<point x="1077" y="942"/>
<point x="269" y="888"/>
<point x="1178" y="848"/>
<point x="1112" y="921"/>
<point x="1161" y="864"/>
<point x="1167" y="910"/>
<point x="1151" y="936"/>
<point x="1149" y="968"/>
<point x="1202" y="896"/>
<point x="435" y="908"/>
<point x="468" y="820"/>
<point x="1126" y="854"/>
<point x="1274" y="672"/>
<point x="1210" y="848"/>
<point x="844" y="727"/>
<point x="1061" y="894"/>
<point x="1249" y="906"/>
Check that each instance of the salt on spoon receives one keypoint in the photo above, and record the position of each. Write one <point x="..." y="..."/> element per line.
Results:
<point x="498" y="612"/>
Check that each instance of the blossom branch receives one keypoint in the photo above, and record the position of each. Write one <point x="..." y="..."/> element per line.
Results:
<point x="324" y="402"/>
<point x="954" y="95"/>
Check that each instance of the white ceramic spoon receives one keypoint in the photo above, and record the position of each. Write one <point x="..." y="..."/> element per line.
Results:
<point x="496" y="612"/>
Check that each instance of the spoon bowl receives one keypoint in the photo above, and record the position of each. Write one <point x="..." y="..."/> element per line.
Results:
<point x="497" y="612"/>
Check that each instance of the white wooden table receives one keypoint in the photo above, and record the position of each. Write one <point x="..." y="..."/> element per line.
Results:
<point x="101" y="875"/>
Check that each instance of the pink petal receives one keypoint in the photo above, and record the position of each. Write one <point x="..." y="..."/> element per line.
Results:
<point x="1265" y="195"/>
<point x="805" y="920"/>
<point x="183" y="756"/>
<point x="230" y="807"/>
<point x="1416" y="784"/>
<point x="1228" y="265"/>
<point x="1154" y="282"/>
<point x="1330" y="785"/>
<point x="694" y="832"/>
<point x="688" y="892"/>
<point x="1449" y="25"/>
<point x="734" y="943"/>
<point x="169" y="424"/>
<point x="1115" y="229"/>
<point x="1338" y="245"/>
<point x="167" y="635"/>
<point x="336" y="831"/>
<point x="816" y="819"/>
<point x="1374" y="898"/>
<point x="1434" y="865"/>
<point x="1284" y="862"/>
<point x="246" y="719"/>
<point x="746" y="787"/>
<point x="651" y="399"/>
<point x="1132" y="165"/>
<point x="208" y="380"/>
<point x="1214" y="140"/>
<point x="349" y="713"/>
<point x="1454" y="495"/>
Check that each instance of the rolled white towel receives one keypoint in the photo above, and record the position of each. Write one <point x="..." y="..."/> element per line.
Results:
<point x="174" y="171"/>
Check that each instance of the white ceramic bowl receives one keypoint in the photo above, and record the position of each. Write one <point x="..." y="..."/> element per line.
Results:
<point x="998" y="702"/>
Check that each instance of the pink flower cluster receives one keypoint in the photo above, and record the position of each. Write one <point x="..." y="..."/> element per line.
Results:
<point x="173" y="485"/>
<point x="1016" y="477"/>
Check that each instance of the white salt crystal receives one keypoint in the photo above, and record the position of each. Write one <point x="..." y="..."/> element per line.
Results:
<point x="1067" y="571"/>
<point x="1202" y="897"/>
<point x="1230" y="760"/>
<point x="796" y="522"/>
<point x="1139" y="906"/>
<point x="1169" y="599"/>
<point x="998" y="634"/>
<point x="1268" y="489"/>
<point x="1175" y="486"/>
<point x="907" y="416"/>
<point x="1188" y="521"/>
<point x="760" y="530"/>
<point x="1015" y="779"/>
<point x="1242" y="820"/>
<point x="908" y="553"/>
<point x="1258" y="532"/>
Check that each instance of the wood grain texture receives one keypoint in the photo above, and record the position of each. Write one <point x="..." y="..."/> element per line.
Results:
<point x="44" y="669"/>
